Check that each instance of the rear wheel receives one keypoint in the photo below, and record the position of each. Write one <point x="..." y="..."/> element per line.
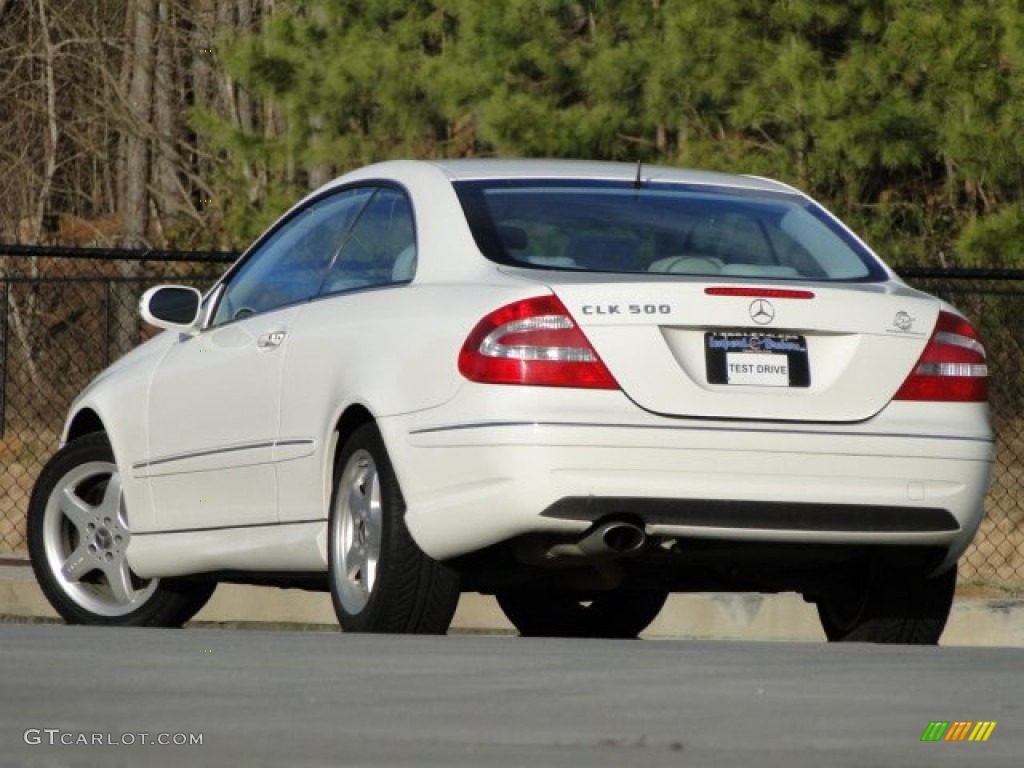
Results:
<point x="380" y="579"/>
<point x="617" y="614"/>
<point x="888" y="607"/>
<point x="78" y="537"/>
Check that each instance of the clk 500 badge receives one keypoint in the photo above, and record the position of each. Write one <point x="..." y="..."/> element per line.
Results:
<point x="627" y="309"/>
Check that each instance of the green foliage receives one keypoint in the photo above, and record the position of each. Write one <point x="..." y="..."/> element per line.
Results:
<point x="996" y="240"/>
<point x="902" y="115"/>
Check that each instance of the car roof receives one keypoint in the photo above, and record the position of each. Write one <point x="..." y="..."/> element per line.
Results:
<point x="480" y="169"/>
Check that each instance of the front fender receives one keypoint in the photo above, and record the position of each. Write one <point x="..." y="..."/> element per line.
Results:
<point x="116" y="402"/>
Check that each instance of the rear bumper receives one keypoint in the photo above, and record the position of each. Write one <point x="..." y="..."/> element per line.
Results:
<point x="471" y="484"/>
<point x="729" y="514"/>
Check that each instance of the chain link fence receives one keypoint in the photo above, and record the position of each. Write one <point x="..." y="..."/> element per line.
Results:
<point x="992" y="300"/>
<point x="65" y="314"/>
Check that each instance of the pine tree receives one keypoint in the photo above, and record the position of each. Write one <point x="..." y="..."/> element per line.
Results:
<point x="901" y="115"/>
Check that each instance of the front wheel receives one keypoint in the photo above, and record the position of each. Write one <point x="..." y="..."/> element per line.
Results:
<point x="885" y="606"/>
<point x="380" y="579"/>
<point x="618" y="614"/>
<point x="78" y="536"/>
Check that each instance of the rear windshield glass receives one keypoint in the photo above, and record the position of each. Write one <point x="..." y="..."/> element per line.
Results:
<point x="660" y="229"/>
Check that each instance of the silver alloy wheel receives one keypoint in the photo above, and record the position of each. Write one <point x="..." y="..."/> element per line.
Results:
<point x="357" y="528"/>
<point x="85" y="535"/>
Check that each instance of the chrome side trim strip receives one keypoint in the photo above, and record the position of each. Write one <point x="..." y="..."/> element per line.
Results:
<point x="167" y="532"/>
<point x="674" y="428"/>
<point x="221" y="451"/>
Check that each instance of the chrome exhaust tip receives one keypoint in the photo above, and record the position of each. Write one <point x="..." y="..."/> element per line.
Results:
<point x="614" y="538"/>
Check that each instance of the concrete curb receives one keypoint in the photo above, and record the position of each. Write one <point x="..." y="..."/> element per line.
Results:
<point x="786" y="617"/>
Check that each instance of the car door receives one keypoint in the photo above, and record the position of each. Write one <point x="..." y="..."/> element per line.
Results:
<point x="334" y="357"/>
<point x="214" y="401"/>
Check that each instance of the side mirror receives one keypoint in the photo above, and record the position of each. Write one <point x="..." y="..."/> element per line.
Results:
<point x="173" y="307"/>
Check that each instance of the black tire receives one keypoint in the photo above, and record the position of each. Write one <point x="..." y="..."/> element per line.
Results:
<point x="618" y="614"/>
<point x="380" y="579"/>
<point x="888" y="606"/>
<point x="77" y="538"/>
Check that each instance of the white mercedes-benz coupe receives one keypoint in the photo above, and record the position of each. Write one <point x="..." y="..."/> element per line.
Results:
<point x="576" y="386"/>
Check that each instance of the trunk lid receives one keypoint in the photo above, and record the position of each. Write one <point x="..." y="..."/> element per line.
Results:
<point x="743" y="350"/>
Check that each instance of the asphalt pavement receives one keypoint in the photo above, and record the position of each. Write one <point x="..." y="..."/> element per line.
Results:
<point x="77" y="696"/>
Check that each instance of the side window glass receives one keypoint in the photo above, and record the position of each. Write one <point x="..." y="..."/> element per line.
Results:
<point x="380" y="248"/>
<point x="291" y="264"/>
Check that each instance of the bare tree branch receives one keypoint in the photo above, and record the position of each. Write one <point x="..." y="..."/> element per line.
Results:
<point x="53" y="128"/>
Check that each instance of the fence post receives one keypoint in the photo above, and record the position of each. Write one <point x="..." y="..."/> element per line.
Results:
<point x="106" y="322"/>
<point x="3" y="357"/>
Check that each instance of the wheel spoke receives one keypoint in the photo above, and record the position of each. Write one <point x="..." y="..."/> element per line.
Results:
<point x="111" y="503"/>
<point x="374" y="536"/>
<point x="370" y="574"/>
<point x="75" y="509"/>
<point x="374" y="523"/>
<point x="357" y="501"/>
<point x="355" y="577"/>
<point x="355" y="560"/>
<point x="79" y="562"/>
<point x="119" y="578"/>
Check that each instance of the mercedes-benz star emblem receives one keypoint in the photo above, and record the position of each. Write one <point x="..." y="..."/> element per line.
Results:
<point x="761" y="311"/>
<point x="903" y="321"/>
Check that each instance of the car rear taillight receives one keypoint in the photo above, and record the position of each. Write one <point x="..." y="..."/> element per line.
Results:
<point x="952" y="366"/>
<point x="535" y="342"/>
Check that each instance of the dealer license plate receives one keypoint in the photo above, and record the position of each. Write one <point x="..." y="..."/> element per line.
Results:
<point x="756" y="359"/>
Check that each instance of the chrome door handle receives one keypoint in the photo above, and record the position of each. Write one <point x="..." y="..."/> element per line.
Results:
<point x="271" y="340"/>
